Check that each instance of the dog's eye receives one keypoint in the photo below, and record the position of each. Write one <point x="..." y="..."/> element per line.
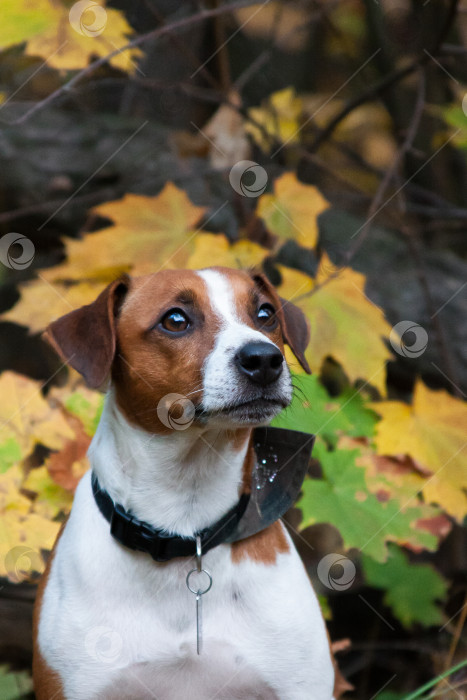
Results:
<point x="266" y="315"/>
<point x="175" y="321"/>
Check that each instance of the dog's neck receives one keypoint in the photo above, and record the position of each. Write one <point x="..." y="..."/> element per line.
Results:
<point x="181" y="482"/>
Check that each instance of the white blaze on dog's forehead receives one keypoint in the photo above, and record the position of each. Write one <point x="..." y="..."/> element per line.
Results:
<point x="221" y="295"/>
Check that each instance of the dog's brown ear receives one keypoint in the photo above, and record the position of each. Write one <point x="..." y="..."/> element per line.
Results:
<point x="295" y="327"/>
<point x="86" y="338"/>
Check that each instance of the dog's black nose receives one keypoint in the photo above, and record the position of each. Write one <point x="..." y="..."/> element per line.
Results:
<point x="261" y="362"/>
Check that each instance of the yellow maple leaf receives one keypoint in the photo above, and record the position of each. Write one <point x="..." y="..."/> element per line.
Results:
<point x="277" y="120"/>
<point x="293" y="210"/>
<point x="10" y="496"/>
<point x="23" y="533"/>
<point x="344" y="324"/>
<point x="21" y="540"/>
<point x="215" y="249"/>
<point x="67" y="35"/>
<point x="148" y="233"/>
<point x="432" y="432"/>
<point x="26" y="417"/>
<point x="51" y="498"/>
<point x="42" y="302"/>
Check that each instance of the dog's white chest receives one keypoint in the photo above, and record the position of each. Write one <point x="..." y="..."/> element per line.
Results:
<point x="116" y="625"/>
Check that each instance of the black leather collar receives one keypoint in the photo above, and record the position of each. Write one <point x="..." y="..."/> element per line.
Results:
<point x="282" y="458"/>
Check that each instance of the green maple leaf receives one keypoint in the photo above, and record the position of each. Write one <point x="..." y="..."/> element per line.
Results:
<point x="10" y="453"/>
<point x="342" y="499"/>
<point x="87" y="410"/>
<point x="313" y="411"/>
<point x="412" y="590"/>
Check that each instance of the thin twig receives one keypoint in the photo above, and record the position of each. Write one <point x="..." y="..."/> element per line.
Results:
<point x="377" y="203"/>
<point x="388" y="81"/>
<point x="457" y="634"/>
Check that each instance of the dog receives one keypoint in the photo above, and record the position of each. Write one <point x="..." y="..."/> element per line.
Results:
<point x="114" y="621"/>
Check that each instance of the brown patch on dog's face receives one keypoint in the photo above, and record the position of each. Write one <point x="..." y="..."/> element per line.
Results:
<point x="153" y="362"/>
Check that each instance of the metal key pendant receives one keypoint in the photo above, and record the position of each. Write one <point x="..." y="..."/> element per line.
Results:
<point x="201" y="576"/>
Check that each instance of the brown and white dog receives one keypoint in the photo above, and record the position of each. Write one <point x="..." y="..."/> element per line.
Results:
<point x="112" y="623"/>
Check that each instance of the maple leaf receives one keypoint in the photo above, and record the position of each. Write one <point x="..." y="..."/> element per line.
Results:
<point x="41" y="302"/>
<point x="67" y="36"/>
<point x="23" y="533"/>
<point x="277" y="120"/>
<point x="313" y="411"/>
<point x="345" y="324"/>
<point x="341" y="498"/>
<point x="148" y="233"/>
<point x="24" y="537"/>
<point x="412" y="590"/>
<point x="27" y="418"/>
<point x="391" y="478"/>
<point x="51" y="499"/>
<point x="14" y="685"/>
<point x="432" y="432"/>
<point x="293" y="210"/>
<point x="215" y="249"/>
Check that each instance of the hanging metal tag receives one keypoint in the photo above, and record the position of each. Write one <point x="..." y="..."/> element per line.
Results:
<point x="199" y="582"/>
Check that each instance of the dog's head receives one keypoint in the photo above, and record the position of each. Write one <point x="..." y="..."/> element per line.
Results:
<point x="213" y="338"/>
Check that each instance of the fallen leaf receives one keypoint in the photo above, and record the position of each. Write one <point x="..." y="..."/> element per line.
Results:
<point x="345" y="324"/>
<point x="314" y="411"/>
<point x="26" y="416"/>
<point x="215" y="249"/>
<point x="412" y="591"/>
<point x="148" y="233"/>
<point x="67" y="35"/>
<point x="21" y="540"/>
<point x="365" y="524"/>
<point x="277" y="120"/>
<point x="42" y="302"/>
<point x="293" y="210"/>
<point x="432" y="432"/>
<point x="23" y="533"/>
<point x="51" y="499"/>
